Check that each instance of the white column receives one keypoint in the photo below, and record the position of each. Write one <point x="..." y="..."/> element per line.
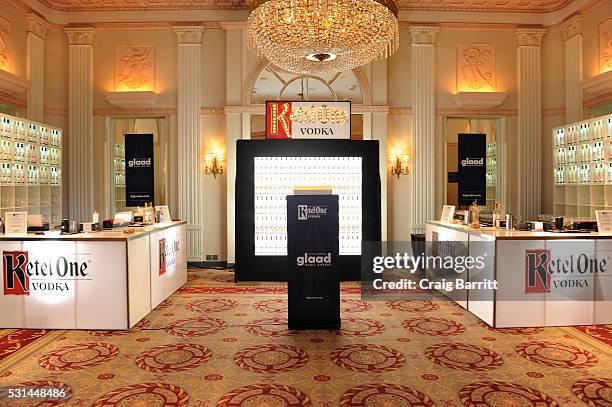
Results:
<point x="422" y="77"/>
<point x="236" y="125"/>
<point x="80" y="122"/>
<point x="572" y="34"/>
<point x="37" y="29"/>
<point x="190" y="191"/>
<point x="529" y="162"/>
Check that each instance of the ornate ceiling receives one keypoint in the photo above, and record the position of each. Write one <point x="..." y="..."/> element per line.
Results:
<point x="529" y="6"/>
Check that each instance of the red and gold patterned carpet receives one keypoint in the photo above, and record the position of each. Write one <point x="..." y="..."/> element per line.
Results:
<point x="215" y="343"/>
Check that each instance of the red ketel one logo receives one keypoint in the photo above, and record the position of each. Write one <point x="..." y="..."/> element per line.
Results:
<point x="537" y="277"/>
<point x="16" y="278"/>
<point x="25" y="274"/>
<point x="162" y="256"/>
<point x="543" y="272"/>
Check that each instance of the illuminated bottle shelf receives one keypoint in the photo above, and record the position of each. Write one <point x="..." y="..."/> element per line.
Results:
<point x="275" y="178"/>
<point x="582" y="167"/>
<point x="30" y="168"/>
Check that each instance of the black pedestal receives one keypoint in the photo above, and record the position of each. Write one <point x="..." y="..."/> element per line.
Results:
<point x="313" y="263"/>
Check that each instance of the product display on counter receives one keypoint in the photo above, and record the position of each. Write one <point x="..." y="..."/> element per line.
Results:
<point x="268" y="171"/>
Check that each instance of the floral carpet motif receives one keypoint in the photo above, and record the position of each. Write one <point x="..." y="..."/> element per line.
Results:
<point x="216" y="343"/>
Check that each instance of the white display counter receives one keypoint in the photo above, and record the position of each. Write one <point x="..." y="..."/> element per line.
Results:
<point x="573" y="294"/>
<point x="100" y="280"/>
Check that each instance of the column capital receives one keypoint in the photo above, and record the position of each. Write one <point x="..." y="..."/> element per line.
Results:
<point x="80" y="35"/>
<point x="423" y="34"/>
<point x="37" y="25"/>
<point x="571" y="27"/>
<point x="189" y="34"/>
<point x="530" y="36"/>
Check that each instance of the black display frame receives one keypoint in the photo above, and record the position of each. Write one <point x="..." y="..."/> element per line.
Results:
<point x="249" y="267"/>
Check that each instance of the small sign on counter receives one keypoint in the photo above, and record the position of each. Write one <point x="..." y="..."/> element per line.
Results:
<point x="448" y="212"/>
<point x="16" y="223"/>
<point x="604" y="221"/>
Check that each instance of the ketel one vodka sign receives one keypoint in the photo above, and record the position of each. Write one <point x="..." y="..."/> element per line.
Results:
<point x="308" y="120"/>
<point x="25" y="273"/>
<point x="545" y="273"/>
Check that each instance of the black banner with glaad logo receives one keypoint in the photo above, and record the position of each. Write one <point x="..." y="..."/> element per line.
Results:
<point x="472" y="169"/>
<point x="313" y="261"/>
<point x="139" y="171"/>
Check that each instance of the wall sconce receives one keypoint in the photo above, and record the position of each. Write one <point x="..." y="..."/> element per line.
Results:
<point x="213" y="164"/>
<point x="399" y="164"/>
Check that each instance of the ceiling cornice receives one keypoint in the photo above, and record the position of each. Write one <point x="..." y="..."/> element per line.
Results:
<point x="503" y="15"/>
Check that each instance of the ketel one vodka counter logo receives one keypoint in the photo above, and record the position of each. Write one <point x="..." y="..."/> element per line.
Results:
<point x="314" y="260"/>
<point x="543" y="272"/>
<point x="306" y="212"/>
<point x="24" y="275"/>
<point x="167" y="254"/>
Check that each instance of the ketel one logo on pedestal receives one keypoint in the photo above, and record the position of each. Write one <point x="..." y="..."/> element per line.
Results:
<point x="286" y="120"/>
<point x="24" y="275"/>
<point x="543" y="272"/>
<point x="306" y="212"/>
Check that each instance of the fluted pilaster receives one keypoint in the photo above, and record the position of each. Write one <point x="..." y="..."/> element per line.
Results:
<point x="572" y="34"/>
<point x="422" y="70"/>
<point x="190" y="188"/>
<point x="529" y="168"/>
<point x="37" y="29"/>
<point x="80" y="122"/>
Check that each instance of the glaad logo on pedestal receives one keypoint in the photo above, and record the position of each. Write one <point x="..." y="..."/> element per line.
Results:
<point x="314" y="260"/>
<point x="139" y="163"/>
<point x="472" y="162"/>
<point x="542" y="272"/>
<point x="305" y="212"/>
<point x="24" y="274"/>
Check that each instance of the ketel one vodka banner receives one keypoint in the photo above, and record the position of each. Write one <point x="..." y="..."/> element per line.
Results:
<point x="42" y="273"/>
<point x="313" y="261"/>
<point x="472" y="169"/>
<point x="139" y="170"/>
<point x="308" y="120"/>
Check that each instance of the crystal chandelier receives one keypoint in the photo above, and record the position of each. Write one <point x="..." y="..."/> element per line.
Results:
<point x="322" y="36"/>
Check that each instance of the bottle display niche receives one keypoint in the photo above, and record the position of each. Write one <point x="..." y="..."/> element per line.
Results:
<point x="30" y="168"/>
<point x="491" y="173"/>
<point x="275" y="178"/>
<point x="119" y="163"/>
<point x="582" y="160"/>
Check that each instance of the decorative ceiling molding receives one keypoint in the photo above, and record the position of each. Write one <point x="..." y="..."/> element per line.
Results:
<point x="513" y="6"/>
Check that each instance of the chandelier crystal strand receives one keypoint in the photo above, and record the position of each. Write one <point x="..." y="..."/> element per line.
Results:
<point x="323" y="36"/>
